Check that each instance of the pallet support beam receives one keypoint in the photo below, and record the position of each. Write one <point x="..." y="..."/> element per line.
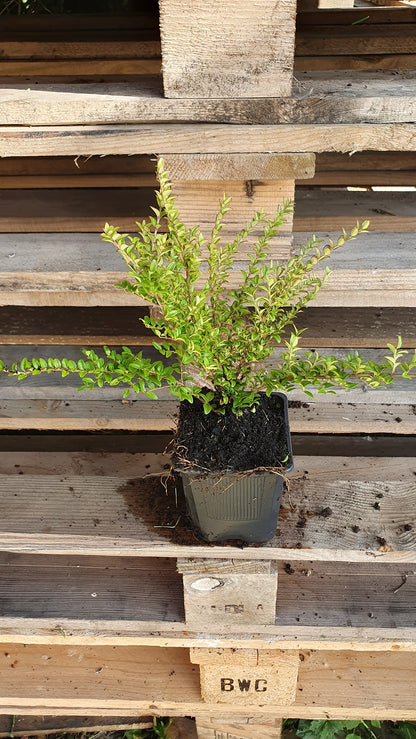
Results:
<point x="235" y="727"/>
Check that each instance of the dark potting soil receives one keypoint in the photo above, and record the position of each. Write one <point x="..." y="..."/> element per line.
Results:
<point x="219" y="442"/>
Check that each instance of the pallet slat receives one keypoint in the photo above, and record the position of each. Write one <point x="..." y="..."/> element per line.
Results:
<point x="198" y="138"/>
<point x="363" y="327"/>
<point x="67" y="511"/>
<point x="359" y="97"/>
<point x="165" y="682"/>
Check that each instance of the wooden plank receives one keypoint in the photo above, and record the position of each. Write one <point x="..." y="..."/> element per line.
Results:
<point x="359" y="97"/>
<point x="257" y="47"/>
<point x="88" y="415"/>
<point x="35" y="273"/>
<point x="81" y="22"/>
<point x="360" y="160"/>
<point x="85" y="166"/>
<point x="44" y="725"/>
<point x="345" y="595"/>
<point x="387" y="288"/>
<point x="81" y="210"/>
<point x="355" y="445"/>
<point x="197" y="202"/>
<point x="199" y="138"/>
<point x="165" y="681"/>
<point x="344" y="17"/>
<point x="363" y="62"/>
<point x="84" y="632"/>
<point x="365" y="169"/>
<point x="98" y="46"/>
<point x="76" y="67"/>
<point x="90" y="588"/>
<point x="50" y="211"/>
<point x="180" y="167"/>
<point x="75" y="181"/>
<point x="328" y="482"/>
<point x="384" y="210"/>
<point x="367" y="327"/>
<point x="361" y="39"/>
<point x="361" y="327"/>
<point x="365" y="178"/>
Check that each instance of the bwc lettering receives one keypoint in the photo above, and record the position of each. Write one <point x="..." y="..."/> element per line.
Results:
<point x="228" y="684"/>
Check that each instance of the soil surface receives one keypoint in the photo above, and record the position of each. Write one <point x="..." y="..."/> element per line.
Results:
<point x="217" y="442"/>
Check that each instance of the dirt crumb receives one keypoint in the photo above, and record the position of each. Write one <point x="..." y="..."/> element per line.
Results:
<point x="326" y="512"/>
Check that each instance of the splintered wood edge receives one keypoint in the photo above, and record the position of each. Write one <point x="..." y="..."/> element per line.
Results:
<point x="104" y="546"/>
<point x="177" y="634"/>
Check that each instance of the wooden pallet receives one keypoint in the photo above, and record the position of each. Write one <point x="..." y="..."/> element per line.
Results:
<point x="113" y="616"/>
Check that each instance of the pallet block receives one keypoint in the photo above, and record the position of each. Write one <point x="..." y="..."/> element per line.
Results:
<point x="247" y="676"/>
<point x="228" y="591"/>
<point x="256" y="44"/>
<point x="234" y="727"/>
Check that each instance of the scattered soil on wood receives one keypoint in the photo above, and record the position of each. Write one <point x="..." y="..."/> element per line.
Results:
<point x="162" y="509"/>
<point x="155" y="501"/>
<point x="217" y="442"/>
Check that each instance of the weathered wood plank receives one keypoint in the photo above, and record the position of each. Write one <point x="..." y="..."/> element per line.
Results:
<point x="69" y="23"/>
<point x="362" y="39"/>
<point x="44" y="725"/>
<point x="94" y="415"/>
<point x="98" y="46"/>
<point x="333" y="97"/>
<point x="75" y="67"/>
<point x="180" y="167"/>
<point x="363" y="62"/>
<point x="167" y="683"/>
<point x="199" y="138"/>
<point x="34" y="272"/>
<point x="135" y="165"/>
<point x="49" y="211"/>
<point x="404" y="14"/>
<point x="62" y="588"/>
<point x="228" y="592"/>
<point x="256" y="41"/>
<point x="197" y="202"/>
<point x="361" y="327"/>
<point x="385" y="210"/>
<point x="61" y="519"/>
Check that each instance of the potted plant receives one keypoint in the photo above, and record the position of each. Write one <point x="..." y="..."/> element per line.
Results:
<point x="216" y="330"/>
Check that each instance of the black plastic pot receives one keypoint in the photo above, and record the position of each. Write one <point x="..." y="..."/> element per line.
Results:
<point x="236" y="505"/>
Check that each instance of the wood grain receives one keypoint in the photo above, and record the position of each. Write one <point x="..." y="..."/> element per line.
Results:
<point x="330" y="684"/>
<point x="337" y="97"/>
<point x="62" y="518"/>
<point x="198" y="138"/>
